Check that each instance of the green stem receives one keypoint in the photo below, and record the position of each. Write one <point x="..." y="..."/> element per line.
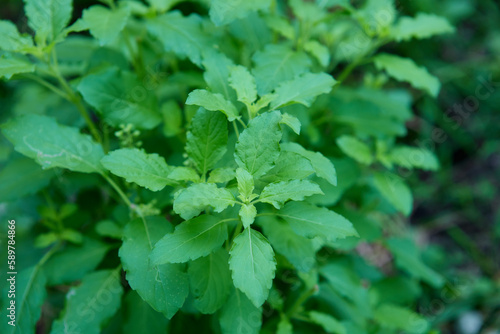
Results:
<point x="236" y="130"/>
<point x="46" y="84"/>
<point x="298" y="303"/>
<point x="118" y="190"/>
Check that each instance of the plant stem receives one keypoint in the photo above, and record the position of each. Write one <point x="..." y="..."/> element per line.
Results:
<point x="236" y="130"/>
<point x="118" y="190"/>
<point x="298" y="303"/>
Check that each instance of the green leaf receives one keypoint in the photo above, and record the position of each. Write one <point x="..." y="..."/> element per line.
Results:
<point x="329" y="323"/>
<point x="191" y="239"/>
<point x="148" y="170"/>
<point x="62" y="268"/>
<point x="310" y="221"/>
<point x="295" y="248"/>
<point x="180" y="34"/>
<point x="210" y="281"/>
<point x="397" y="317"/>
<point x="108" y="228"/>
<point x="302" y="89"/>
<point x="90" y="304"/>
<point x="172" y="118"/>
<point x="29" y="297"/>
<point x="405" y="69"/>
<point x="14" y="65"/>
<point x="217" y="70"/>
<point x="252" y="265"/>
<point x="207" y="139"/>
<point x="395" y="191"/>
<point x="292" y="121"/>
<point x="245" y="184"/>
<point x="247" y="214"/>
<point x="48" y="18"/>
<point x="414" y="157"/>
<point x="226" y="11"/>
<point x="284" y="326"/>
<point x="141" y="318"/>
<point x="244" y="84"/>
<point x="422" y="26"/>
<point x="221" y="175"/>
<point x="53" y="145"/>
<point x="356" y="149"/>
<point x="289" y="166"/>
<point x="12" y="40"/>
<point x="121" y="98"/>
<point x="407" y="258"/>
<point x="213" y="102"/>
<point x="191" y="201"/>
<point x="105" y="24"/>
<point x="22" y="177"/>
<point x="277" y="64"/>
<point x="319" y="51"/>
<point x="239" y="315"/>
<point x="278" y="193"/>
<point x="258" y="146"/>
<point x="281" y="25"/>
<point x="184" y="174"/>
<point x="323" y="167"/>
<point x="164" y="287"/>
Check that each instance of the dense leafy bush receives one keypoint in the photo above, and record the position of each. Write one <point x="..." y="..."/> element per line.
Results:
<point x="218" y="166"/>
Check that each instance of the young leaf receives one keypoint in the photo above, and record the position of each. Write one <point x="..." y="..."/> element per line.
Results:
<point x="30" y="295"/>
<point x="356" y="149"/>
<point x="164" y="287"/>
<point x="244" y="84"/>
<point x="239" y="315"/>
<point x="413" y="157"/>
<point x="180" y="34"/>
<point x="422" y="26"/>
<point x="184" y="174"/>
<point x="405" y="69"/>
<point x="245" y="184"/>
<point x="276" y="64"/>
<point x="53" y="145"/>
<point x="311" y="221"/>
<point x="213" y="102"/>
<point x="48" y="18"/>
<point x="278" y="193"/>
<point x="191" y="239"/>
<point x="247" y="214"/>
<point x="292" y="121"/>
<point x="207" y="139"/>
<point x="141" y="318"/>
<point x="395" y="191"/>
<point x="252" y="265"/>
<point x="217" y="70"/>
<point x="323" y="167"/>
<point x="12" y="40"/>
<point x="221" y="175"/>
<point x="121" y="98"/>
<point x="407" y="258"/>
<point x="14" y="65"/>
<point x="302" y="89"/>
<point x="226" y="11"/>
<point x="289" y="166"/>
<point x="194" y="199"/>
<point x="397" y="317"/>
<point x="319" y="51"/>
<point x="329" y="323"/>
<point x="295" y="248"/>
<point x="22" y="177"/>
<point x="148" y="170"/>
<point x="210" y="281"/>
<point x="258" y="146"/>
<point x="90" y="304"/>
<point x="105" y="24"/>
<point x="280" y="25"/>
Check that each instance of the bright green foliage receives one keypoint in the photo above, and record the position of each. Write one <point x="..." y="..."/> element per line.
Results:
<point x="48" y="18"/>
<point x="11" y="66"/>
<point x="210" y="281"/>
<point x="245" y="184"/>
<point x="226" y="11"/>
<point x="355" y="149"/>
<point x="412" y="157"/>
<point x="278" y="193"/>
<point x="244" y="84"/>
<point x="247" y="213"/>
<point x="105" y="24"/>
<point x="112" y="92"/>
<point x="191" y="239"/>
<point x="395" y="191"/>
<point x="214" y="102"/>
<point x="12" y="40"/>
<point x="164" y="287"/>
<point x="87" y="315"/>
<point x="421" y="26"/>
<point x="310" y="221"/>
<point x="239" y="314"/>
<point x="404" y="69"/>
<point x="329" y="323"/>
<point x="284" y="326"/>
<point x="258" y="146"/>
<point x="252" y="265"/>
<point x="207" y="139"/>
<point x="290" y="166"/>
<point x="396" y="317"/>
<point x="147" y="170"/>
<point x="193" y="200"/>
<point x="53" y="145"/>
